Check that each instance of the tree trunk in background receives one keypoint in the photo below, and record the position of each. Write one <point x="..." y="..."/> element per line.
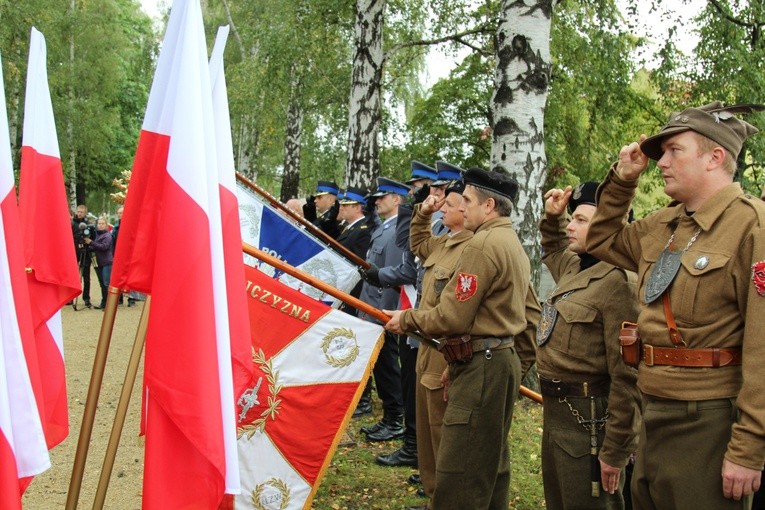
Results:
<point x="291" y="176"/>
<point x="520" y="92"/>
<point x="364" y="116"/>
<point x="76" y="189"/>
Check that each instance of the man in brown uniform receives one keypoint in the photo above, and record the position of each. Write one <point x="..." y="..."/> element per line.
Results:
<point x="701" y="273"/>
<point x="479" y="311"/>
<point x="589" y="392"/>
<point x="439" y="255"/>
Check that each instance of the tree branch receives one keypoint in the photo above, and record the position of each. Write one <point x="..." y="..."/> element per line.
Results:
<point x="431" y="42"/>
<point x="736" y="21"/>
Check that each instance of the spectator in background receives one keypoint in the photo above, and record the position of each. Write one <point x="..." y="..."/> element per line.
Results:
<point x="101" y="245"/>
<point x="81" y="231"/>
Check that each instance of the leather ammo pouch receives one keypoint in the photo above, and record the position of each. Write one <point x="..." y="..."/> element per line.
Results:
<point x="457" y="348"/>
<point x="630" y="344"/>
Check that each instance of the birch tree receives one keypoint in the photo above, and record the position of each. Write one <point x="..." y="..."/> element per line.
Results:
<point x="521" y="85"/>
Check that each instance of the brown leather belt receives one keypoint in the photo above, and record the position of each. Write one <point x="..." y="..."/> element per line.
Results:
<point x="685" y="357"/>
<point x="557" y="388"/>
<point x="491" y="343"/>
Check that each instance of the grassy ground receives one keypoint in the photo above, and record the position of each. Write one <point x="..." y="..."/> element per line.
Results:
<point x="354" y="481"/>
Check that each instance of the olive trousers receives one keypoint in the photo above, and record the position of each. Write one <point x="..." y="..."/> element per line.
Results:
<point x="473" y="462"/>
<point x="680" y="455"/>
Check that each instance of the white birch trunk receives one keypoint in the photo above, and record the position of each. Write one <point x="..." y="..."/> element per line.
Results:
<point x="291" y="176"/>
<point x="364" y="115"/>
<point x="520" y="92"/>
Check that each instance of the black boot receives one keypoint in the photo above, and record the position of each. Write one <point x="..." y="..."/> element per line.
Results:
<point x="404" y="456"/>
<point x="391" y="427"/>
<point x="364" y="406"/>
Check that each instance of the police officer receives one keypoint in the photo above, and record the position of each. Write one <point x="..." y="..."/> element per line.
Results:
<point x="383" y="252"/>
<point x="701" y="273"/>
<point x="589" y="392"/>
<point x="479" y="310"/>
<point x="356" y="234"/>
<point x="322" y="208"/>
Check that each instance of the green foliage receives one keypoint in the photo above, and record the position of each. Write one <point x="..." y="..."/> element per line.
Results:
<point x="100" y="59"/>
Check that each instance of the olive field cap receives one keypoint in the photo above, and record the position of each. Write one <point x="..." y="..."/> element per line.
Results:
<point x="326" y="188"/>
<point x="447" y="173"/>
<point x="353" y="196"/>
<point x="713" y="120"/>
<point x="386" y="186"/>
<point x="584" y="193"/>
<point x="456" y="186"/>
<point x="421" y="171"/>
<point x="496" y="182"/>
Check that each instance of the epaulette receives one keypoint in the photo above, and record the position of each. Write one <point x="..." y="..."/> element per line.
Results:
<point x="364" y="226"/>
<point x="758" y="205"/>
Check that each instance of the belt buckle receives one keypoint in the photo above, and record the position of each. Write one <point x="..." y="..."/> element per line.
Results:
<point x="648" y="354"/>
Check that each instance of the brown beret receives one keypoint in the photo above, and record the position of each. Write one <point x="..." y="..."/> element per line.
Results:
<point x="497" y="182"/>
<point x="713" y="120"/>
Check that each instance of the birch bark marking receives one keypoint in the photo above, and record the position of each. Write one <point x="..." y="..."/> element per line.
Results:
<point x="364" y="116"/>
<point x="291" y="177"/>
<point x="521" y="84"/>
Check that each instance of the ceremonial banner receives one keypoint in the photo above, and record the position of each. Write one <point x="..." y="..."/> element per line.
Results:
<point x="311" y="363"/>
<point x="53" y="275"/>
<point x="171" y="247"/>
<point x="270" y="230"/>
<point x="23" y="450"/>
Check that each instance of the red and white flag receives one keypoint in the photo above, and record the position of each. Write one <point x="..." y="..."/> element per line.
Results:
<point x="239" y="320"/>
<point x="311" y="364"/>
<point x="23" y="451"/>
<point x="408" y="297"/>
<point x="171" y="248"/>
<point x="53" y="275"/>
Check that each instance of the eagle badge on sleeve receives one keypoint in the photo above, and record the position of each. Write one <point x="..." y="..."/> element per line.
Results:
<point x="467" y="284"/>
<point x="758" y="277"/>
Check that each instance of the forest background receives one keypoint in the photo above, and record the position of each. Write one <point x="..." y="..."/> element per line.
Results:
<point x="297" y="86"/>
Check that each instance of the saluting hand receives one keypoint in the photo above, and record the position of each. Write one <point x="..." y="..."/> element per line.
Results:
<point x="632" y="162"/>
<point x="556" y="201"/>
<point x="432" y="204"/>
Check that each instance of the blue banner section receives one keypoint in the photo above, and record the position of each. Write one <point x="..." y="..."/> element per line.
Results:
<point x="282" y="239"/>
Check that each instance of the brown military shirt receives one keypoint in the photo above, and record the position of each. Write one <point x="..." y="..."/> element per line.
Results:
<point x="486" y="294"/>
<point x="584" y="345"/>
<point x="714" y="298"/>
<point x="440" y="255"/>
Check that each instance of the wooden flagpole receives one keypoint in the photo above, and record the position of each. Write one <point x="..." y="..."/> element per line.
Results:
<point x="122" y="407"/>
<point x="343" y="296"/>
<point x="307" y="224"/>
<point x="91" y="403"/>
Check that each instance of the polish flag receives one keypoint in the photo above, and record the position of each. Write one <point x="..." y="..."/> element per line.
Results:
<point x="52" y="272"/>
<point x="23" y="451"/>
<point x="171" y="248"/>
<point x="408" y="297"/>
<point x="239" y="320"/>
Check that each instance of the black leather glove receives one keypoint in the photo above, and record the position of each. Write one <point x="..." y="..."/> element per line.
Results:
<point x="371" y="275"/>
<point x="309" y="209"/>
<point x="333" y="211"/>
<point x="420" y="194"/>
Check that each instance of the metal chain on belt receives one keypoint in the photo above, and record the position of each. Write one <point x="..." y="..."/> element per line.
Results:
<point x="600" y="422"/>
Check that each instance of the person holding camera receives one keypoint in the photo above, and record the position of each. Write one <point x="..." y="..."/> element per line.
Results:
<point x="82" y="230"/>
<point x="101" y="245"/>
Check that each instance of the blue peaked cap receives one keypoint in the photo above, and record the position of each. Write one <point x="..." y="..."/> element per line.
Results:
<point x="385" y="186"/>
<point x="326" y="187"/>
<point x="447" y="173"/>
<point x="352" y="196"/>
<point x="422" y="171"/>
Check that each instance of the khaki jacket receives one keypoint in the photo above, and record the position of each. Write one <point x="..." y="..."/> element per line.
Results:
<point x="714" y="298"/>
<point x="584" y="346"/>
<point x="486" y="292"/>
